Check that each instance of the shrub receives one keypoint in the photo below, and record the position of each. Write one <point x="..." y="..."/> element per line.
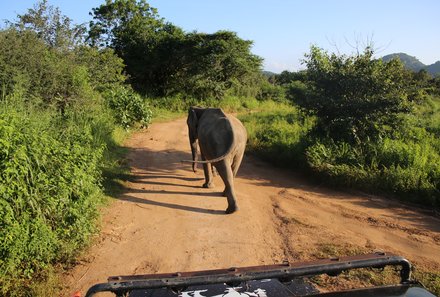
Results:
<point x="129" y="107"/>
<point x="401" y="167"/>
<point x="279" y="136"/>
<point x="50" y="181"/>
<point x="411" y="169"/>
<point x="271" y="92"/>
<point x="406" y="165"/>
<point x="47" y="76"/>
<point x="296" y="90"/>
<point x="105" y="69"/>
<point x="355" y="98"/>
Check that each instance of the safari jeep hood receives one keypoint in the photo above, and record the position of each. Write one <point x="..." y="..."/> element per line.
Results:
<point x="287" y="279"/>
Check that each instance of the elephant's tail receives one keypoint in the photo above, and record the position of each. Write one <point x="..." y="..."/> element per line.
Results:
<point x="218" y="159"/>
<point x="207" y="161"/>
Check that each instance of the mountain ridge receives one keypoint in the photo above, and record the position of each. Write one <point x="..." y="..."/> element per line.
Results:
<point x="413" y="63"/>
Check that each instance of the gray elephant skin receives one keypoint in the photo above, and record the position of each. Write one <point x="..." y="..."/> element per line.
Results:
<point x="222" y="140"/>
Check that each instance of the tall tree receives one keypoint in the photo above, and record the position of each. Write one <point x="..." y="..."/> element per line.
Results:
<point x="214" y="63"/>
<point x="56" y="29"/>
<point x="140" y="37"/>
<point x="162" y="59"/>
<point x="43" y="57"/>
<point x="121" y="23"/>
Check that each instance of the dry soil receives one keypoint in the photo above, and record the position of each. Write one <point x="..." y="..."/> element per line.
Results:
<point x="166" y="222"/>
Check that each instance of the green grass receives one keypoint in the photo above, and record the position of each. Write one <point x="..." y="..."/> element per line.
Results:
<point x="278" y="133"/>
<point x="161" y="115"/>
<point x="165" y="109"/>
<point x="405" y="165"/>
<point x="428" y="114"/>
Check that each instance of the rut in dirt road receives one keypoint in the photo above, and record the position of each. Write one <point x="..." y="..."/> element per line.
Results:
<point x="166" y="222"/>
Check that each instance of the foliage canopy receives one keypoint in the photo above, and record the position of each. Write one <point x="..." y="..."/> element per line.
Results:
<point x="54" y="28"/>
<point x="163" y="60"/>
<point x="356" y="97"/>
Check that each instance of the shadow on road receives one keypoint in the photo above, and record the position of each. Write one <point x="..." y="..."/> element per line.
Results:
<point x="133" y="199"/>
<point x="149" y="165"/>
<point x="155" y="173"/>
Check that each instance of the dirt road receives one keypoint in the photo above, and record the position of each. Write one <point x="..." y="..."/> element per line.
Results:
<point x="166" y="222"/>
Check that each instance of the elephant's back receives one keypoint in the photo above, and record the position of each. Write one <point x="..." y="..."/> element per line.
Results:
<point x="213" y="121"/>
<point x="215" y="133"/>
<point x="238" y="128"/>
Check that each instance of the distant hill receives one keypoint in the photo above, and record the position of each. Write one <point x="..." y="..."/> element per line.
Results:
<point x="413" y="63"/>
<point x="434" y="69"/>
<point x="269" y="73"/>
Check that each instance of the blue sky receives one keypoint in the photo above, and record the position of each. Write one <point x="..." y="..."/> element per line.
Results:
<point x="283" y="30"/>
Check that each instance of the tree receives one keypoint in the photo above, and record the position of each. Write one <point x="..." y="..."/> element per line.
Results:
<point x="215" y="63"/>
<point x="355" y="97"/>
<point x="286" y="77"/>
<point x="105" y="69"/>
<point x="141" y="38"/>
<point x="162" y="59"/>
<point x="43" y="59"/>
<point x="119" y="24"/>
<point x="55" y="29"/>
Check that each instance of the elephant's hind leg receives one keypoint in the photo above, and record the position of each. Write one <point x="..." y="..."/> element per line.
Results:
<point x="236" y="162"/>
<point x="207" y="169"/>
<point x="227" y="175"/>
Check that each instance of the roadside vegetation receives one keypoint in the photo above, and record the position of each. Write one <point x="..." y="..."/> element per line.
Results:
<point x="69" y="95"/>
<point x="61" y="124"/>
<point x="356" y="122"/>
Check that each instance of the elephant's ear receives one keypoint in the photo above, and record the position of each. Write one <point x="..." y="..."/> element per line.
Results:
<point x="192" y="120"/>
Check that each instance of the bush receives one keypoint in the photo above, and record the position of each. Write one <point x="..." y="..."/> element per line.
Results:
<point x="407" y="169"/>
<point x="411" y="169"/>
<point x="297" y="90"/>
<point x="39" y="72"/>
<point x="47" y="76"/>
<point x="427" y="115"/>
<point x="355" y="98"/>
<point x="56" y="139"/>
<point x="50" y="186"/>
<point x="105" y="69"/>
<point x="129" y="107"/>
<point x="279" y="136"/>
<point x="271" y="92"/>
<point x="406" y="166"/>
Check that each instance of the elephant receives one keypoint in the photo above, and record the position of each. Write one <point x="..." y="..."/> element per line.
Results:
<point x="222" y="139"/>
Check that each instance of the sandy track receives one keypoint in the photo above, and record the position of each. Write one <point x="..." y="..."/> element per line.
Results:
<point x="165" y="221"/>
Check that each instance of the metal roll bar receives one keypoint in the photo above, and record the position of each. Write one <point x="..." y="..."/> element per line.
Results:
<point x="121" y="285"/>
